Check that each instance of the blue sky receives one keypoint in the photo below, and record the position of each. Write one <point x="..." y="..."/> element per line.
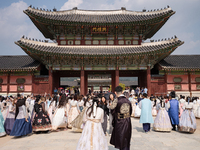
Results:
<point x="184" y="24"/>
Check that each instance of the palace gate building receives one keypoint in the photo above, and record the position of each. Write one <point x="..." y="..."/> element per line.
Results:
<point x="108" y="44"/>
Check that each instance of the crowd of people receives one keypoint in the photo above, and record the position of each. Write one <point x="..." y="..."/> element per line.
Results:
<point x="93" y="114"/>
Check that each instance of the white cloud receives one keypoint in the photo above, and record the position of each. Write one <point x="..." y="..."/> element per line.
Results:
<point x="70" y="4"/>
<point x="13" y="24"/>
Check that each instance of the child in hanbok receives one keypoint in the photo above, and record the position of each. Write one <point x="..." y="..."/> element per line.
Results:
<point x="162" y="121"/>
<point x="22" y="125"/>
<point x="187" y="121"/>
<point x="93" y="137"/>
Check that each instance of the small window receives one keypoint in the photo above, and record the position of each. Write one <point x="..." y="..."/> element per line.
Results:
<point x="135" y="42"/>
<point x="110" y="42"/>
<point x="88" y="42"/>
<point x="70" y="42"/>
<point x="20" y="80"/>
<point x="198" y="86"/>
<point x="103" y="42"/>
<point x="20" y="88"/>
<point x="95" y="42"/>
<point x="197" y="79"/>
<point x="177" y="80"/>
<point x="177" y="87"/>
<point x="1" y="80"/>
<point x="121" y="42"/>
<point x="77" y="42"/>
<point x="62" y="42"/>
<point x="128" y="42"/>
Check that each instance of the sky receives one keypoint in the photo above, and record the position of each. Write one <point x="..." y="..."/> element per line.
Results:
<point x="185" y="23"/>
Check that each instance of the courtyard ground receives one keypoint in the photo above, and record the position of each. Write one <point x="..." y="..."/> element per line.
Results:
<point x="67" y="140"/>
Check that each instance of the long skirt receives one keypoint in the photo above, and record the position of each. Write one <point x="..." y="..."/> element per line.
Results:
<point x="198" y="112"/>
<point x="77" y="123"/>
<point x="41" y="122"/>
<point x="110" y="123"/>
<point x="162" y="121"/>
<point x="8" y="125"/>
<point x="92" y="138"/>
<point x="73" y="113"/>
<point x="181" y="109"/>
<point x="21" y="127"/>
<point x="104" y="124"/>
<point x="2" y="131"/>
<point x="154" y="111"/>
<point x="133" y="110"/>
<point x="59" y="119"/>
<point x="137" y="112"/>
<point x="187" y="121"/>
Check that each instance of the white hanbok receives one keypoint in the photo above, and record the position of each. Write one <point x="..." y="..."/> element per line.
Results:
<point x="137" y="112"/>
<point x="59" y="118"/>
<point x="93" y="137"/>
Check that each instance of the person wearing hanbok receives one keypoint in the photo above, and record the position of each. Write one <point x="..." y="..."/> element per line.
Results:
<point x="10" y="119"/>
<point x="195" y="107"/>
<point x="111" y="99"/>
<point x="154" y="111"/>
<point x="52" y="107"/>
<point x="22" y="125"/>
<point x="187" y="121"/>
<point x="182" y="102"/>
<point x="146" y="117"/>
<point x="198" y="112"/>
<point x="133" y="103"/>
<point x="137" y="112"/>
<point x="162" y="121"/>
<point x="41" y="121"/>
<point x="60" y="116"/>
<point x="5" y="108"/>
<point x="2" y="130"/>
<point x="103" y="105"/>
<point x="77" y="123"/>
<point x="93" y="137"/>
<point x="81" y="103"/>
<point x="173" y="110"/>
<point x="73" y="111"/>
<point x="121" y="135"/>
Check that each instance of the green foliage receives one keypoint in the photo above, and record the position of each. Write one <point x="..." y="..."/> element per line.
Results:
<point x="123" y="86"/>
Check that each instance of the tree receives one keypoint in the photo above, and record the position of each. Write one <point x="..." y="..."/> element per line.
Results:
<point x="123" y="86"/>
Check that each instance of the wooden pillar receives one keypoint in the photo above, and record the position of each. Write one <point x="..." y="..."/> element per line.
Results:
<point x="116" y="77"/>
<point x="165" y="83"/>
<point x="101" y="88"/>
<point x="189" y="82"/>
<point x="8" y="84"/>
<point x="33" y="84"/>
<point x="86" y="83"/>
<point x="92" y="88"/>
<point x="149" y="80"/>
<point x="82" y="82"/>
<point x="113" y="82"/>
<point x="50" y="80"/>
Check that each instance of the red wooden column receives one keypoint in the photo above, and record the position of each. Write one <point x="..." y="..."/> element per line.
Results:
<point x="86" y="83"/>
<point x="116" y="77"/>
<point x="149" y="80"/>
<point x="101" y="88"/>
<point x="113" y="81"/>
<point x="50" y="80"/>
<point x="33" y="84"/>
<point x="189" y="82"/>
<point x="82" y="82"/>
<point x="92" y="88"/>
<point x="166" y="83"/>
<point x="8" y="83"/>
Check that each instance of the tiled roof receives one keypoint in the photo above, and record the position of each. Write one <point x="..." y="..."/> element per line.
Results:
<point x="99" y="16"/>
<point x="175" y="62"/>
<point x="18" y="63"/>
<point x="53" y="48"/>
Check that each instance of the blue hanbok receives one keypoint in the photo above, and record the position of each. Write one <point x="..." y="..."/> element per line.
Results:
<point x="2" y="130"/>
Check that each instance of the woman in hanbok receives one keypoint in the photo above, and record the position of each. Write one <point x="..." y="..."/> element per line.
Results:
<point x="187" y="121"/>
<point x="195" y="107"/>
<point x="60" y="116"/>
<point x="22" y="125"/>
<point x="198" y="112"/>
<point x="5" y="108"/>
<point x="52" y="107"/>
<point x="137" y="112"/>
<point x="41" y="121"/>
<point x="103" y="105"/>
<point x="77" y="123"/>
<point x="162" y="121"/>
<point x="154" y="111"/>
<point x="10" y="119"/>
<point x="93" y="137"/>
<point x="73" y="111"/>
<point x="2" y="130"/>
<point x="111" y="99"/>
<point x="182" y="102"/>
